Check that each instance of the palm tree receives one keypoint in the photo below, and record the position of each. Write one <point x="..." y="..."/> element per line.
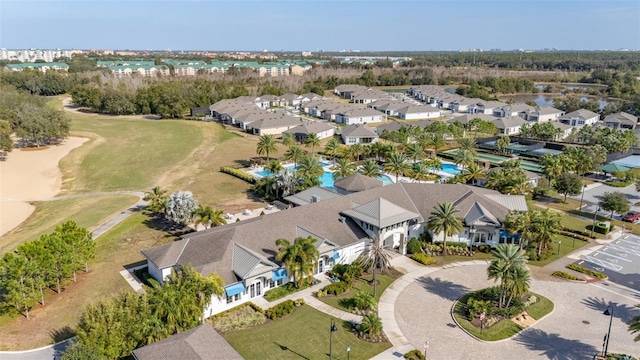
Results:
<point x="209" y="217"/>
<point x="553" y="166"/>
<point x="444" y="220"/>
<point x="371" y="324"/>
<point x="267" y="145"/>
<point x="435" y="164"/>
<point x="464" y="158"/>
<point x="370" y="168"/>
<point x="287" y="181"/>
<point x="333" y="147"/>
<point x="473" y="173"/>
<point x="294" y="153"/>
<point x="376" y="256"/>
<point x="414" y="151"/>
<point x="364" y="301"/>
<point x="157" y="199"/>
<point x="468" y="143"/>
<point x="343" y="168"/>
<point x="312" y="141"/>
<point x="436" y="141"/>
<point x="634" y="326"/>
<point x="300" y="259"/>
<point x="505" y="268"/>
<point x="354" y="151"/>
<point x="378" y="148"/>
<point x="275" y="166"/>
<point x="289" y="139"/>
<point x="397" y="164"/>
<point x="420" y="171"/>
<point x="502" y="142"/>
<point x="310" y="169"/>
<point x="518" y="283"/>
<point x="545" y="225"/>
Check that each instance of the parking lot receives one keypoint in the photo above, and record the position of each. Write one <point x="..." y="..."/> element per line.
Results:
<point x="594" y="193"/>
<point x="620" y="260"/>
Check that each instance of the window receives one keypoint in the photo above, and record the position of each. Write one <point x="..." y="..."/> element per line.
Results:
<point x="229" y="299"/>
<point x="236" y="297"/>
<point x="279" y="282"/>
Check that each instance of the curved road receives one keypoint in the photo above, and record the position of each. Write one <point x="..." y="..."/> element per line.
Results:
<point x="417" y="308"/>
<point x="53" y="351"/>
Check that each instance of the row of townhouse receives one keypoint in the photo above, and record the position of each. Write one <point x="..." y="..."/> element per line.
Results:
<point x="138" y="67"/>
<point x="404" y="110"/>
<point x="43" y="67"/>
<point x="343" y="224"/>
<point x="33" y="55"/>
<point x="281" y="68"/>
<point x="250" y="114"/>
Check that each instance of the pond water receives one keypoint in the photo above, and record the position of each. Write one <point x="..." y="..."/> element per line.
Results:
<point x="547" y="100"/>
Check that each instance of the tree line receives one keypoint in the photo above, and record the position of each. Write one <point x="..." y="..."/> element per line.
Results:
<point x="30" y="118"/>
<point x="50" y="262"/>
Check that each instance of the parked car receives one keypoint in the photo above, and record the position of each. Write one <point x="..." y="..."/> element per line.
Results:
<point x="631" y="216"/>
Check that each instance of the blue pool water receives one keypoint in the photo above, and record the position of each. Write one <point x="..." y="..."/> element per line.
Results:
<point x="326" y="180"/>
<point x="451" y="169"/>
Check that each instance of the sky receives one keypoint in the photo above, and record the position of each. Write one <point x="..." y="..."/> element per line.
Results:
<point x="313" y="25"/>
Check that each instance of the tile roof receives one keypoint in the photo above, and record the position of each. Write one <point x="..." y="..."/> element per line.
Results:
<point x="358" y="131"/>
<point x="380" y="212"/>
<point x="357" y="182"/>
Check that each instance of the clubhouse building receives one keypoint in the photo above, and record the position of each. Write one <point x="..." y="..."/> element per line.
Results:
<point x="243" y="253"/>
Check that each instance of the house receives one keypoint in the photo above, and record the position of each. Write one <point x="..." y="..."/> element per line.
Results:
<point x="621" y="121"/>
<point x="321" y="129"/>
<point x="579" y="118"/>
<point x="200" y="111"/>
<point x="200" y="343"/>
<point x="462" y="105"/>
<point x="412" y="112"/>
<point x="485" y="107"/>
<point x="307" y="97"/>
<point x="358" y="134"/>
<point x="517" y="109"/>
<point x="466" y="118"/>
<point x="273" y="125"/>
<point x="388" y="107"/>
<point x="543" y="114"/>
<point x="243" y="253"/>
<point x="43" y="67"/>
<point x="509" y="125"/>
<point x="359" y="116"/>
<point x="564" y="130"/>
<point x="291" y="99"/>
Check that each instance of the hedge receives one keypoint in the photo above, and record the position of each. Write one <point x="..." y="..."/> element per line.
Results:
<point x="423" y="259"/>
<point x="336" y="288"/>
<point x="280" y="310"/>
<point x="239" y="174"/>
<point x="586" y="271"/>
<point x="564" y="275"/>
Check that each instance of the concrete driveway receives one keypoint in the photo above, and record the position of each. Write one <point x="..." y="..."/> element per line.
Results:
<point x="574" y="330"/>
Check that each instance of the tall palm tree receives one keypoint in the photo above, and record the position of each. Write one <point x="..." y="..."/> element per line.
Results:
<point x="275" y="166"/>
<point x="375" y="257"/>
<point x="309" y="170"/>
<point x="468" y="143"/>
<point x="545" y="225"/>
<point x="157" y="198"/>
<point x="436" y="141"/>
<point x="312" y="141"/>
<point x="370" y="168"/>
<point x="294" y="153"/>
<point x="397" y="164"/>
<point x="267" y="145"/>
<point x="464" y="158"/>
<point x="634" y="326"/>
<point x="518" y="283"/>
<point x="502" y="142"/>
<point x="553" y="166"/>
<point x="508" y="260"/>
<point x="377" y="148"/>
<point x="300" y="259"/>
<point x="286" y="181"/>
<point x="333" y="147"/>
<point x="289" y="139"/>
<point x="414" y="151"/>
<point x="420" y="171"/>
<point x="209" y="217"/>
<point x="343" y="168"/>
<point x="473" y="173"/>
<point x="435" y="164"/>
<point x="443" y="219"/>
<point x="354" y="151"/>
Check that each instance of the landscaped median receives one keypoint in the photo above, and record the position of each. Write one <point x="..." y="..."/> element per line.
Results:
<point x="498" y="324"/>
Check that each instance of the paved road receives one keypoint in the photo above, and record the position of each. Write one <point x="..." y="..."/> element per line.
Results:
<point x="620" y="260"/>
<point x="574" y="330"/>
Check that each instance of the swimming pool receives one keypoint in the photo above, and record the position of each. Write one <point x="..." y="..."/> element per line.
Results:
<point x="326" y="179"/>
<point x="451" y="169"/>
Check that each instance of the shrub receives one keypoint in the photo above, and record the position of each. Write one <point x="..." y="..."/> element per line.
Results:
<point x="484" y="248"/>
<point x="586" y="271"/>
<point x="530" y="301"/>
<point x="363" y="301"/>
<point x="346" y="272"/>
<point x="414" y="246"/>
<point x="241" y="317"/>
<point x="256" y="307"/>
<point x="284" y="290"/>
<point x="239" y="174"/>
<point x="564" y="275"/>
<point x="280" y="310"/>
<point x="336" y="288"/>
<point x="371" y="325"/>
<point x="298" y="302"/>
<point x="414" y="355"/>
<point x="423" y="259"/>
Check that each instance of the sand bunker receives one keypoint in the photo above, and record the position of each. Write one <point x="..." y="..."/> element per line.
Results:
<point x="30" y="175"/>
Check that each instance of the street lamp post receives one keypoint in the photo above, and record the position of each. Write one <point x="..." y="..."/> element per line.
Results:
<point x="608" y="312"/>
<point x="595" y="214"/>
<point x="348" y="351"/>
<point x="559" y="242"/>
<point x="332" y="330"/>
<point x="582" y="197"/>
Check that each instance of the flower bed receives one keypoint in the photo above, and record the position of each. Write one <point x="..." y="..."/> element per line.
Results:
<point x="564" y="275"/>
<point x="586" y="271"/>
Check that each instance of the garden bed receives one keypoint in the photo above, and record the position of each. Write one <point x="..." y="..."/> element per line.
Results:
<point x="363" y="283"/>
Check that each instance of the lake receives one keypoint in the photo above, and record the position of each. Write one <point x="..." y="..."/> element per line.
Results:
<point x="547" y="100"/>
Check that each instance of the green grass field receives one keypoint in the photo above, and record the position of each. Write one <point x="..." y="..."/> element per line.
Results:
<point x="302" y="335"/>
<point x="342" y="301"/>
<point x="87" y="212"/>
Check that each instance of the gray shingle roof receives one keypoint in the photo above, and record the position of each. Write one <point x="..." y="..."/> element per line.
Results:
<point x="309" y="127"/>
<point x="583" y="113"/>
<point x="381" y="213"/>
<point x="199" y="343"/>
<point x="357" y="182"/>
<point x="478" y="215"/>
<point x="305" y="197"/>
<point x="358" y="131"/>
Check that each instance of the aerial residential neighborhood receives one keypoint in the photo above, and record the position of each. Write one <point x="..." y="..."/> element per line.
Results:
<point x="320" y="180"/>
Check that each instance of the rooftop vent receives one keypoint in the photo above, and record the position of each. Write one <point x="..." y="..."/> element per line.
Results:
<point x="343" y="219"/>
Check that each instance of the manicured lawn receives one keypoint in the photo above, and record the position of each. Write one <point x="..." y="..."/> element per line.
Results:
<point x="87" y="212"/>
<point x="342" y="301"/>
<point x="302" y="335"/>
<point x="505" y="328"/>
<point x="114" y="250"/>
<point x="567" y="245"/>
